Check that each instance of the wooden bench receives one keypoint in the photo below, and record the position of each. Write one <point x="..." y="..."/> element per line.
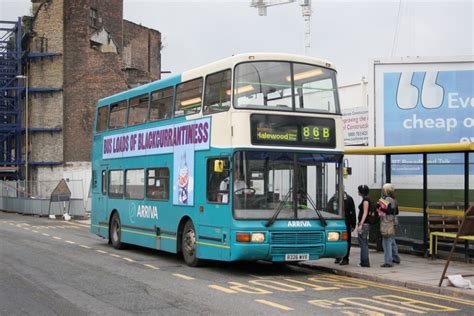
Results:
<point x="445" y="227"/>
<point x="458" y="206"/>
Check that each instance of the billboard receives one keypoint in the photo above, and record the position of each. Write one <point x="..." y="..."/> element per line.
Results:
<point x="428" y="107"/>
<point x="423" y="102"/>
<point x="182" y="139"/>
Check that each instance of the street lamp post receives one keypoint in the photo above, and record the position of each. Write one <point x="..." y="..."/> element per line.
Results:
<point x="25" y="78"/>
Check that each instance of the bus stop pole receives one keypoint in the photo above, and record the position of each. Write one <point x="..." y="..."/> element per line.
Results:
<point x="466" y="180"/>
<point x="388" y="168"/>
<point x="425" y="203"/>
<point x="466" y="192"/>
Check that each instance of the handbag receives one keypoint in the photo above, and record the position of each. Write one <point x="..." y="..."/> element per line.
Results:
<point x="387" y="226"/>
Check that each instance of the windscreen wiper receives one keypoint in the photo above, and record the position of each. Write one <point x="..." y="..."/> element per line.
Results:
<point x="313" y="205"/>
<point x="279" y="208"/>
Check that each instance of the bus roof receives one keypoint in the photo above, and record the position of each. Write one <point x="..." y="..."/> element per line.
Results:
<point x="216" y="66"/>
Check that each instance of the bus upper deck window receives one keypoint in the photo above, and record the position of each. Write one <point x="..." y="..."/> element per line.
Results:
<point x="161" y="105"/>
<point x="188" y="97"/>
<point x="102" y="116"/>
<point x="218" y="91"/>
<point x="117" y="115"/>
<point x="315" y="89"/>
<point x="137" y="113"/>
<point x="263" y="85"/>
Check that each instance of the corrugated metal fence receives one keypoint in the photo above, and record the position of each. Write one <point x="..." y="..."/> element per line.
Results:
<point x="34" y="198"/>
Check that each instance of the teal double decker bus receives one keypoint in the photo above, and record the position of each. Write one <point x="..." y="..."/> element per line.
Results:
<point x="240" y="159"/>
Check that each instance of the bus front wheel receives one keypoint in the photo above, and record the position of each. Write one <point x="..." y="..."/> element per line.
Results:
<point x="188" y="245"/>
<point x="116" y="232"/>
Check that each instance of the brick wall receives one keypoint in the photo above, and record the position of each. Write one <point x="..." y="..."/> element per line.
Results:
<point x="46" y="109"/>
<point x="89" y="73"/>
<point x="141" y="51"/>
<point x="86" y="71"/>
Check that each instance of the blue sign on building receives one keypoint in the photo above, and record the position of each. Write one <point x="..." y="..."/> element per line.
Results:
<point x="428" y="108"/>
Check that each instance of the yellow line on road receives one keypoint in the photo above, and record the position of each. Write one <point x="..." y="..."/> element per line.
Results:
<point x="128" y="259"/>
<point x="35" y="231"/>
<point x="182" y="276"/>
<point x="101" y="251"/>
<point x="71" y="242"/>
<point x="84" y="246"/>
<point x="44" y="234"/>
<point x="283" y="307"/>
<point x="222" y="289"/>
<point x="151" y="266"/>
<point x="405" y="290"/>
<point x="114" y="255"/>
<point x="58" y="238"/>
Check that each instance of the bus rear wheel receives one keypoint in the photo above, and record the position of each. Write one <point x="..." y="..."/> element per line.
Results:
<point x="189" y="245"/>
<point x="116" y="232"/>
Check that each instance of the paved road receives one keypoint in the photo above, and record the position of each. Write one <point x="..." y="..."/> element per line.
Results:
<point x="52" y="267"/>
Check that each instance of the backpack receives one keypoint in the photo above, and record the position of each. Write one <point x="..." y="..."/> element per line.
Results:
<point x="373" y="215"/>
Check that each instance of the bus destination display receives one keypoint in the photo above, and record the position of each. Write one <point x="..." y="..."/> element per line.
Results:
<point x="290" y="130"/>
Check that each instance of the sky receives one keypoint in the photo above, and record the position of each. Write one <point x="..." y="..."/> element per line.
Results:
<point x="347" y="33"/>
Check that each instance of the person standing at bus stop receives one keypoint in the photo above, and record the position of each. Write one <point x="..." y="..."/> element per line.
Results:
<point x="363" y="226"/>
<point x="388" y="206"/>
<point x="350" y="219"/>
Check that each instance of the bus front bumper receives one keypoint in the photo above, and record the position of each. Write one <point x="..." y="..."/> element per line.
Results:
<point x="286" y="253"/>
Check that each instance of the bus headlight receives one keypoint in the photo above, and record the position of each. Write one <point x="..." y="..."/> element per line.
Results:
<point x="258" y="237"/>
<point x="333" y="236"/>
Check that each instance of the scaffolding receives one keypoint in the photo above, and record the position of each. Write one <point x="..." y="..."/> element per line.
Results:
<point x="11" y="99"/>
<point x="14" y="92"/>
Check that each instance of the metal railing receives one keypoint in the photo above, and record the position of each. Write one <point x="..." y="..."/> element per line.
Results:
<point x="37" y="200"/>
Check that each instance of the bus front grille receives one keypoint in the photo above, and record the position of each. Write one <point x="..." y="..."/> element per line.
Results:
<point x="296" y="238"/>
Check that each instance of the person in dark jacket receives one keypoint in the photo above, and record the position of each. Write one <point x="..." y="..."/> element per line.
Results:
<point x="350" y="218"/>
<point x="363" y="226"/>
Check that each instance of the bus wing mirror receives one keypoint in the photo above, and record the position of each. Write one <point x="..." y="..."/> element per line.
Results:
<point x="218" y="166"/>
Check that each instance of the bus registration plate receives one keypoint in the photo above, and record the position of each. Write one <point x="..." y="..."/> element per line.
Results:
<point x="297" y="257"/>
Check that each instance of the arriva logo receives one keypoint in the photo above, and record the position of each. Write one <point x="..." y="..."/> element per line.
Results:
<point x="146" y="211"/>
<point x="299" y="224"/>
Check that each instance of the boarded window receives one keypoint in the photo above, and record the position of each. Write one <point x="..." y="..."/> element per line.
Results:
<point x="118" y="112"/>
<point x="102" y="115"/>
<point x="116" y="183"/>
<point x="217" y="95"/>
<point x="188" y="97"/>
<point x="134" y="184"/>
<point x="137" y="112"/>
<point x="158" y="184"/>
<point x="161" y="106"/>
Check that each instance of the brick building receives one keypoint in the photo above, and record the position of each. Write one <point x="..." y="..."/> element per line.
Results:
<point x="94" y="53"/>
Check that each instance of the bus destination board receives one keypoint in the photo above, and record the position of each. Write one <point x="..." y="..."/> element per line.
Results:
<point x="293" y="131"/>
